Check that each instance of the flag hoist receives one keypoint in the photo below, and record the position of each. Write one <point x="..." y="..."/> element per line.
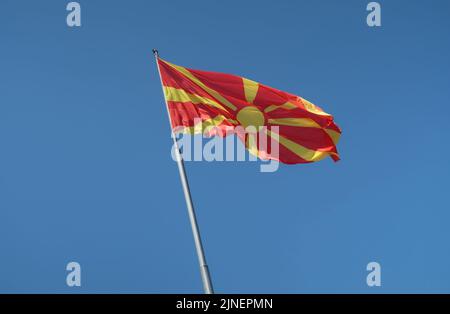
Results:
<point x="204" y="271"/>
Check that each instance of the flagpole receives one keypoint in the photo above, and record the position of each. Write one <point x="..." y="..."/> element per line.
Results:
<point x="204" y="271"/>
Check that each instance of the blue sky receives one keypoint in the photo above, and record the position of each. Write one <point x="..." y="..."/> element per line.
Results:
<point x="86" y="173"/>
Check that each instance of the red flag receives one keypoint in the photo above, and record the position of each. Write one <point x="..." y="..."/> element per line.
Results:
<point x="199" y="100"/>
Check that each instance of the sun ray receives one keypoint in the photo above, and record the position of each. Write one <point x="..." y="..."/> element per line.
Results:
<point x="212" y="92"/>
<point x="250" y="89"/>
<point x="287" y="106"/>
<point x="301" y="151"/>
<point x="180" y="95"/>
<point x="300" y="122"/>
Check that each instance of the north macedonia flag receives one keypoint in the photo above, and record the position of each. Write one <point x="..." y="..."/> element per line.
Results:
<point x="217" y="104"/>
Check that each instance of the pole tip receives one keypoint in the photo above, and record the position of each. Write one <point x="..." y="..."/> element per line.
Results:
<point x="155" y="52"/>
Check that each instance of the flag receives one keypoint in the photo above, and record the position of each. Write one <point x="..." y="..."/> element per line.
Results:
<point x="212" y="103"/>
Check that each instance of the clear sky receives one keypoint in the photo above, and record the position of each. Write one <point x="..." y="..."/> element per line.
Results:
<point x="86" y="173"/>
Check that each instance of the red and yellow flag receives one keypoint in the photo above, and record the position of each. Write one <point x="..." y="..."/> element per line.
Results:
<point x="218" y="102"/>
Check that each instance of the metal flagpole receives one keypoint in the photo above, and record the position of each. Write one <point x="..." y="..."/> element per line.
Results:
<point x="206" y="278"/>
